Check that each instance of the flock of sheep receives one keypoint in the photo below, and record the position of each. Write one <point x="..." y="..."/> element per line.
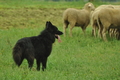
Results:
<point x="104" y="18"/>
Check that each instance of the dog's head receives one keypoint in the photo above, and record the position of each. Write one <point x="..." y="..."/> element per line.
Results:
<point x="53" y="29"/>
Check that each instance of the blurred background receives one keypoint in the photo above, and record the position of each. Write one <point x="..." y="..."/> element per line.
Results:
<point x="69" y="0"/>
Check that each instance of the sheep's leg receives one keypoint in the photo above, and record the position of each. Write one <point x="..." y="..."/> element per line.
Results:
<point x="84" y="30"/>
<point x="104" y="34"/>
<point x="64" y="28"/>
<point x="104" y="29"/>
<point x="94" y="31"/>
<point x="71" y="27"/>
<point x="117" y="35"/>
<point x="100" y="32"/>
<point x="71" y="31"/>
<point x="110" y="32"/>
<point x="100" y="28"/>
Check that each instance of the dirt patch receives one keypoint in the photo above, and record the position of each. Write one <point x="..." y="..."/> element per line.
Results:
<point x="29" y="17"/>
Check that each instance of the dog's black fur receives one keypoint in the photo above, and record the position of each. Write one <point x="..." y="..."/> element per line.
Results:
<point x="38" y="47"/>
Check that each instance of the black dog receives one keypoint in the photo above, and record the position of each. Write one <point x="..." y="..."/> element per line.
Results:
<point x="38" y="47"/>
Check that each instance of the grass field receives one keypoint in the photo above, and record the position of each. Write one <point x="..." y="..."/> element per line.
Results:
<point x="77" y="58"/>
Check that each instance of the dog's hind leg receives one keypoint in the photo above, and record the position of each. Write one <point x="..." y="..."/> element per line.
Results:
<point x="21" y="60"/>
<point x="30" y="60"/>
<point x="44" y="61"/>
<point x="38" y="64"/>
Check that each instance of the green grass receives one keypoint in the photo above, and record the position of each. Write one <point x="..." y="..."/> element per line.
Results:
<point x="76" y="58"/>
<point x="42" y="4"/>
<point x="46" y="4"/>
<point x="38" y="4"/>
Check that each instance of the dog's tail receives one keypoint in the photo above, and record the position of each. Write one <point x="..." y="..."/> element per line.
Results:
<point x="17" y="54"/>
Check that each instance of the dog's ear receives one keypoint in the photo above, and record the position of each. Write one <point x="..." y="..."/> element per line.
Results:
<point x="50" y="23"/>
<point x="47" y="23"/>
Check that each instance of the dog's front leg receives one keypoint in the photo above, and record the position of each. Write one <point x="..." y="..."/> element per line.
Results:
<point x="44" y="62"/>
<point x="38" y="64"/>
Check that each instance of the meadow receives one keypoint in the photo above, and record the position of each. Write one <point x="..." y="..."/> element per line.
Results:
<point x="81" y="57"/>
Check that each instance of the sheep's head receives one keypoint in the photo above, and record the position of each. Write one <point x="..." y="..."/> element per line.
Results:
<point x="89" y="6"/>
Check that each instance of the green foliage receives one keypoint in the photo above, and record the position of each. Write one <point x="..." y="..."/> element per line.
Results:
<point x="25" y="13"/>
<point x="43" y="4"/>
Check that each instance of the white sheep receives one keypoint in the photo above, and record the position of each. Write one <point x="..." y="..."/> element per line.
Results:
<point x="95" y="22"/>
<point x="94" y="19"/>
<point x="108" y="17"/>
<point x="76" y="17"/>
